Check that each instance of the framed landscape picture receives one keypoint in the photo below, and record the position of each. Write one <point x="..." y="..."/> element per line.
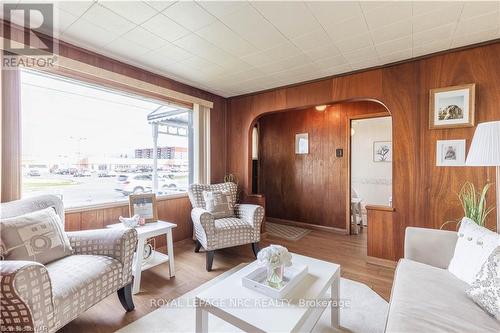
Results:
<point x="452" y="107"/>
<point x="144" y="205"/>
<point x="382" y="151"/>
<point x="450" y="153"/>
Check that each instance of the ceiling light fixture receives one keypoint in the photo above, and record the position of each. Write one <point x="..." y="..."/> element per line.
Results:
<point x="321" y="107"/>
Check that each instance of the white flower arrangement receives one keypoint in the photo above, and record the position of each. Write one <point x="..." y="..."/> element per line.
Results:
<point x="275" y="256"/>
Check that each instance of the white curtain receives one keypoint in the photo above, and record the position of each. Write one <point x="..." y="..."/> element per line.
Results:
<point x="201" y="144"/>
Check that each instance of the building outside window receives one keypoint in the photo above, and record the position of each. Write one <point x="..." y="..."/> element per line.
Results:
<point x="93" y="145"/>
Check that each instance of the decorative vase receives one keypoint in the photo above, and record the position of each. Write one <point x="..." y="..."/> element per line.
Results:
<point x="275" y="276"/>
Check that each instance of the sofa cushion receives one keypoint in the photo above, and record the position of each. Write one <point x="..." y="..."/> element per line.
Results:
<point x="485" y="290"/>
<point x="219" y="204"/>
<point x="231" y="231"/>
<point x="80" y="281"/>
<point x="430" y="299"/>
<point x="36" y="236"/>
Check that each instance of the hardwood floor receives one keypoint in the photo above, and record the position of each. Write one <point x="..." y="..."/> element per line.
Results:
<point x="157" y="288"/>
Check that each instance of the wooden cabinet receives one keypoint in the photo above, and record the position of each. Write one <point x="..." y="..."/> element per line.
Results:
<point x="380" y="232"/>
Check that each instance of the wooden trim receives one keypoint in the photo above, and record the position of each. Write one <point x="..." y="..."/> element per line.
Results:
<point x="121" y="203"/>
<point x="381" y="208"/>
<point x="369" y="116"/>
<point x="306" y="225"/>
<point x="472" y="103"/>
<point x="381" y="262"/>
<point x="425" y="56"/>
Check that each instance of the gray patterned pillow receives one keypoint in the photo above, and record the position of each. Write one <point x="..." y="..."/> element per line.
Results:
<point x="485" y="290"/>
<point x="36" y="236"/>
<point x="219" y="204"/>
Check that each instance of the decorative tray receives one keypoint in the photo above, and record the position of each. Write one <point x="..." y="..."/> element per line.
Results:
<point x="256" y="280"/>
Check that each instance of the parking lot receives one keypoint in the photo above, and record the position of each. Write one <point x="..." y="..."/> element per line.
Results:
<point x="80" y="191"/>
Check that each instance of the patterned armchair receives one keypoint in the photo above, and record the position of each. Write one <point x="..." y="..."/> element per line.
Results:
<point x="44" y="298"/>
<point x="214" y="234"/>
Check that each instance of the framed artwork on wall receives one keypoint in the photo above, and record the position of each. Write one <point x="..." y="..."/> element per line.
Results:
<point x="450" y="152"/>
<point x="302" y="143"/>
<point x="452" y="107"/>
<point x="144" y="205"/>
<point x="382" y="151"/>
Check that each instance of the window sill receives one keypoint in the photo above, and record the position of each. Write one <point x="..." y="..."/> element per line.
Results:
<point x="121" y="203"/>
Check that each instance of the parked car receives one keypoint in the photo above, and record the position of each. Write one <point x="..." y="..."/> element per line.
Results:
<point x="82" y="173"/>
<point x="106" y="173"/>
<point x="136" y="184"/>
<point x="34" y="173"/>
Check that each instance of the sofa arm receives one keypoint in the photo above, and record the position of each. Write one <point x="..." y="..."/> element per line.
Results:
<point x="26" y="294"/>
<point x="119" y="244"/>
<point x="430" y="246"/>
<point x="204" y="227"/>
<point x="252" y="214"/>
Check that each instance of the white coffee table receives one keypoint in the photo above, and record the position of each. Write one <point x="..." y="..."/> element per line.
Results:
<point x="143" y="233"/>
<point x="252" y="311"/>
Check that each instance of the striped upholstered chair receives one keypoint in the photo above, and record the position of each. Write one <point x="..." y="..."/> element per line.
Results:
<point x="212" y="233"/>
<point x="39" y="297"/>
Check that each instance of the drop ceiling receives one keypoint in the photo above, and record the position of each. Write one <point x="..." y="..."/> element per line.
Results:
<point x="233" y="48"/>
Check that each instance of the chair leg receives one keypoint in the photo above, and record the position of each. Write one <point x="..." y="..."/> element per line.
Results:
<point x="198" y="246"/>
<point x="210" y="260"/>
<point x="125" y="297"/>
<point x="255" y="248"/>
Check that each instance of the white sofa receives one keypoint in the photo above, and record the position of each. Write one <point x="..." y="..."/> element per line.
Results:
<point x="425" y="296"/>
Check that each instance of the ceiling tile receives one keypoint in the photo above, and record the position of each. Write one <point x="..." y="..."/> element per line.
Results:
<point x="76" y="8"/>
<point x="107" y="19"/>
<point x="284" y="64"/>
<point x="393" y="12"/>
<point x="423" y="7"/>
<point x="275" y="53"/>
<point x="372" y="5"/>
<point x="64" y="21"/>
<point x="293" y="19"/>
<point x="392" y="31"/>
<point x="477" y="8"/>
<point x="135" y="11"/>
<point x="165" y="28"/>
<point x="475" y="38"/>
<point x="189" y="14"/>
<point x="250" y="25"/>
<point x="334" y="11"/>
<point x="394" y="46"/>
<point x="366" y="64"/>
<point x="94" y="35"/>
<point x="478" y="23"/>
<point x="354" y="43"/>
<point x="223" y="37"/>
<point x="127" y="48"/>
<point x="363" y="54"/>
<point x="322" y="51"/>
<point x="431" y="47"/>
<point x="428" y="36"/>
<point x="222" y="8"/>
<point x="311" y="40"/>
<point x="396" y="56"/>
<point x="353" y="26"/>
<point x="160" y="5"/>
<point x="333" y="61"/>
<point x="172" y="53"/>
<point x="430" y="20"/>
<point x="144" y="38"/>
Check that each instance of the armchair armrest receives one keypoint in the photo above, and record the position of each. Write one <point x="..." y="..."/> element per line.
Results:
<point x="252" y="214"/>
<point x="119" y="244"/>
<point x="204" y="227"/>
<point x="430" y="246"/>
<point x="26" y="294"/>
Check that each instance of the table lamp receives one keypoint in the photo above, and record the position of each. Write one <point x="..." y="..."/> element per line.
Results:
<point x="485" y="151"/>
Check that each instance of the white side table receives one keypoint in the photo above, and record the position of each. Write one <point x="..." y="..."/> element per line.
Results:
<point x="143" y="233"/>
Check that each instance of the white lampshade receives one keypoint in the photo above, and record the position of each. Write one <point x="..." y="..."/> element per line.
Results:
<point x="485" y="147"/>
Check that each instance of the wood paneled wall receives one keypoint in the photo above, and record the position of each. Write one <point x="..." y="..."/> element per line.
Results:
<point x="424" y="195"/>
<point x="177" y="211"/>
<point x="309" y="188"/>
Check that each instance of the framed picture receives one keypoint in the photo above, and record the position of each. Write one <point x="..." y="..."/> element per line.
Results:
<point x="144" y="205"/>
<point x="450" y="152"/>
<point x="452" y="107"/>
<point x="302" y="143"/>
<point x="382" y="151"/>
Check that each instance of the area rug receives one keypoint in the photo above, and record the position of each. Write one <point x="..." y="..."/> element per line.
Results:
<point x="366" y="312"/>
<point x="286" y="231"/>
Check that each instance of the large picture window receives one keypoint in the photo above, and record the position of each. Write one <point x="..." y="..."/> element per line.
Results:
<point x="93" y="145"/>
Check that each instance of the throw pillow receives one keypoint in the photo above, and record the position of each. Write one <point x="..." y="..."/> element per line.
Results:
<point x="219" y="204"/>
<point x="474" y="245"/>
<point x="36" y="236"/>
<point x="485" y="290"/>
